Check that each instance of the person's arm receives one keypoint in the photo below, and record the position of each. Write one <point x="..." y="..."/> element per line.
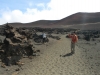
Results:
<point x="76" y="38"/>
<point x="69" y="35"/>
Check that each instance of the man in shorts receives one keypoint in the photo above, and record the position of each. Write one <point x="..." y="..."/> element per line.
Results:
<point x="74" y="39"/>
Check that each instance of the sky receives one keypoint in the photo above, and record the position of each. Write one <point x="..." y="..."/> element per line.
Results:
<point x="25" y="11"/>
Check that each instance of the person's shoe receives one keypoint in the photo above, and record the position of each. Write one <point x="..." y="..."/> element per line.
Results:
<point x="72" y="52"/>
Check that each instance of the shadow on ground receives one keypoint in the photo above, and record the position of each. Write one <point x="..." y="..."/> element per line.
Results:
<point x="68" y="54"/>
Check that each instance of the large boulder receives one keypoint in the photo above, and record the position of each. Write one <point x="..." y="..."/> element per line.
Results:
<point x="16" y="45"/>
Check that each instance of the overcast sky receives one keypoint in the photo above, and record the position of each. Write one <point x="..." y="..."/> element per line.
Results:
<point x="25" y="11"/>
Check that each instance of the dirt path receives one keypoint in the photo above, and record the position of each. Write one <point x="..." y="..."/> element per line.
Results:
<point x="50" y="63"/>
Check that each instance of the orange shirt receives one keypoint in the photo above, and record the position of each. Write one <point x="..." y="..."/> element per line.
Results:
<point x="74" y="38"/>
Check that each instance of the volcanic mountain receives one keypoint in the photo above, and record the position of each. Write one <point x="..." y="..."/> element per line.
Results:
<point x="72" y="20"/>
<point x="80" y="18"/>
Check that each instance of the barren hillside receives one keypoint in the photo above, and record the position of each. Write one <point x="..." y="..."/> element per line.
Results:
<point x="77" y="20"/>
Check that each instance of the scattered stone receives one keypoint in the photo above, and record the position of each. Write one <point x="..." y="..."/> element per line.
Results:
<point x="3" y="65"/>
<point x="37" y="50"/>
<point x="17" y="69"/>
<point x="7" y="69"/>
<point x="19" y="63"/>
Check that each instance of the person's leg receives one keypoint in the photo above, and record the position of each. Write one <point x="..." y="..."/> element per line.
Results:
<point x="43" y="40"/>
<point x="73" y="47"/>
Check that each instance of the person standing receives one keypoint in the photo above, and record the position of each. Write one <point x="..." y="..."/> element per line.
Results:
<point x="44" y="37"/>
<point x="74" y="39"/>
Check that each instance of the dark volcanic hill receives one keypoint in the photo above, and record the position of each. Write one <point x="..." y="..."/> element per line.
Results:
<point x="80" y="18"/>
<point x="74" y="19"/>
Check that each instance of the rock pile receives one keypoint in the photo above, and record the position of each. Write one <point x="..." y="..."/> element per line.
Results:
<point x="17" y="44"/>
<point x="39" y="38"/>
<point x="54" y="37"/>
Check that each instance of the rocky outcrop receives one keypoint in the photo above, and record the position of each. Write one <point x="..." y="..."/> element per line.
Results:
<point x="17" y="44"/>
